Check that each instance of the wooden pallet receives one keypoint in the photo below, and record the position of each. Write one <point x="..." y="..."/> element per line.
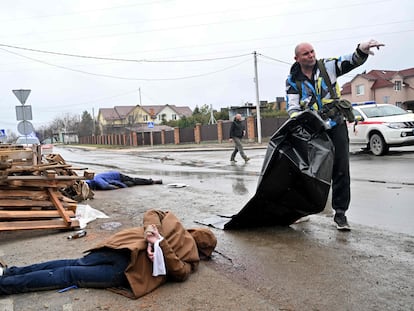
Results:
<point x="31" y="195"/>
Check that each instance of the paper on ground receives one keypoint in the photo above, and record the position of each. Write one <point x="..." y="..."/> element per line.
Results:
<point x="177" y="185"/>
<point x="85" y="214"/>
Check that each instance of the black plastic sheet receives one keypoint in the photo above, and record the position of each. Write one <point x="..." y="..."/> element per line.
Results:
<point x="295" y="178"/>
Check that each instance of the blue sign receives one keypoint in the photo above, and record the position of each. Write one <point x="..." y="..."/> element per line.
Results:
<point x="2" y="133"/>
<point x="150" y="125"/>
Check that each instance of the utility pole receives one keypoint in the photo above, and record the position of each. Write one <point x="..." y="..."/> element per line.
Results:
<point x="212" y="119"/>
<point x="256" y="80"/>
<point x="140" y="103"/>
<point x="93" y="122"/>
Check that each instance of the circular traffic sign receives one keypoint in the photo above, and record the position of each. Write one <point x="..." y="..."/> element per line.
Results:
<point x="25" y="127"/>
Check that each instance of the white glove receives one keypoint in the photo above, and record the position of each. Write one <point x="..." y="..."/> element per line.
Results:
<point x="365" y="46"/>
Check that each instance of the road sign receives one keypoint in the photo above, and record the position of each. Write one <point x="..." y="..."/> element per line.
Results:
<point x="25" y="127"/>
<point x="2" y="133"/>
<point x="24" y="112"/>
<point x="22" y="95"/>
<point x="150" y="125"/>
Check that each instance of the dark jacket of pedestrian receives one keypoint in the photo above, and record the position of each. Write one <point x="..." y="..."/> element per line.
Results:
<point x="237" y="129"/>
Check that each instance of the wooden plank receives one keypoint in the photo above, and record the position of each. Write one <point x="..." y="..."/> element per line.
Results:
<point x="66" y="205"/>
<point x="17" y="154"/>
<point x="38" y="194"/>
<point x="35" y="194"/>
<point x="11" y="146"/>
<point x="43" y="178"/>
<point x="29" y="190"/>
<point x="25" y="203"/>
<point x="50" y="173"/>
<point x="67" y="200"/>
<point x="46" y="183"/>
<point x="7" y="214"/>
<point x="59" y="206"/>
<point x="40" y="168"/>
<point x="38" y="224"/>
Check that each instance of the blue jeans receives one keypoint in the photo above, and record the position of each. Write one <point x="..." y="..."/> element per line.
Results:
<point x="98" y="269"/>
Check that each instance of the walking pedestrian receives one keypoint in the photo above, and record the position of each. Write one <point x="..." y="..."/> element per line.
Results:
<point x="237" y="131"/>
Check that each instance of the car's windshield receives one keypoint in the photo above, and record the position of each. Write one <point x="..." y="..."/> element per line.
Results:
<point x="383" y="111"/>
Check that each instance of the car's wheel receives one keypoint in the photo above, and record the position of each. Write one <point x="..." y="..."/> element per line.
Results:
<point x="377" y="144"/>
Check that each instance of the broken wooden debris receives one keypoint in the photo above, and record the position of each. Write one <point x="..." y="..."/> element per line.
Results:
<point x="34" y="194"/>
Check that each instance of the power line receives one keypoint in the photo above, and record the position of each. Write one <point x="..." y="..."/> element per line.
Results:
<point x="239" y="20"/>
<point x="126" y="78"/>
<point x="192" y="60"/>
<point x="122" y="59"/>
<point x="274" y="59"/>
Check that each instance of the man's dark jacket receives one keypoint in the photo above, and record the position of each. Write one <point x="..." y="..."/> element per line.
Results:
<point x="237" y="128"/>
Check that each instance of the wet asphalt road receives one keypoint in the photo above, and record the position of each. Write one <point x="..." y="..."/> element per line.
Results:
<point x="308" y="266"/>
<point x="382" y="188"/>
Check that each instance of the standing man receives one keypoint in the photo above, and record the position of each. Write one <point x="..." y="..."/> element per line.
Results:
<point x="307" y="89"/>
<point x="237" y="131"/>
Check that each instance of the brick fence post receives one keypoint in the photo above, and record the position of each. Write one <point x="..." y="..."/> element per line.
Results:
<point x="220" y="131"/>
<point x="134" y="139"/>
<point x="162" y="137"/>
<point x="250" y="129"/>
<point x="176" y="135"/>
<point x="197" y="133"/>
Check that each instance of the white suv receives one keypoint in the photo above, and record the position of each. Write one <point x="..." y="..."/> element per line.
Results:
<point x="380" y="126"/>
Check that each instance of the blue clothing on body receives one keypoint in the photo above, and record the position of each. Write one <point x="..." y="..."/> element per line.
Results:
<point x="107" y="181"/>
<point x="99" y="269"/>
<point x="114" y="180"/>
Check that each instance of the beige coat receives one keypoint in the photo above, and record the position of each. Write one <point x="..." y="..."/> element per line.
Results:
<point x="178" y="246"/>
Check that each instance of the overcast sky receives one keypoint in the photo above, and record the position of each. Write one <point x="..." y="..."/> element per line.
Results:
<point x="77" y="55"/>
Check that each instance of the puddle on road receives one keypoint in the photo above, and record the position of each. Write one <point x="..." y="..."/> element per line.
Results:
<point x="238" y="179"/>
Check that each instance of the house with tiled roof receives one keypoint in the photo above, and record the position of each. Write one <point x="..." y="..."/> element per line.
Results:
<point x="114" y="120"/>
<point x="113" y="116"/>
<point x="126" y="118"/>
<point x="382" y="86"/>
<point x="172" y="112"/>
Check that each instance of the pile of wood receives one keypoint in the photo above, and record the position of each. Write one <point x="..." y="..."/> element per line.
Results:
<point x="32" y="190"/>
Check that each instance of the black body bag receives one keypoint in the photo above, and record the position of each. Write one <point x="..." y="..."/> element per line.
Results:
<point x="295" y="178"/>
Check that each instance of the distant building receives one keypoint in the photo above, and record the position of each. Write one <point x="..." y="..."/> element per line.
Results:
<point x="247" y="110"/>
<point x="121" y="118"/>
<point x="383" y="87"/>
<point x="168" y="113"/>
